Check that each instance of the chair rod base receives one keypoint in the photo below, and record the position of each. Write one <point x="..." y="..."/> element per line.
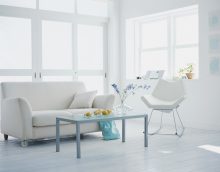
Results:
<point x="161" y="122"/>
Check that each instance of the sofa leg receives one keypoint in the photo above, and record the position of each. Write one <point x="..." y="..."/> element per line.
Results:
<point x="24" y="143"/>
<point x="81" y="136"/>
<point x="5" y="136"/>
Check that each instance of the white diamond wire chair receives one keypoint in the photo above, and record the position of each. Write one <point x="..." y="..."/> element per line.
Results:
<point x="166" y="98"/>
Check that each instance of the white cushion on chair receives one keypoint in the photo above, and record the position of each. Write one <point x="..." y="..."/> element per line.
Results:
<point x="155" y="103"/>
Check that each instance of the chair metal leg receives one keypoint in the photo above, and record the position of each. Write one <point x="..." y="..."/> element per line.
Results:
<point x="183" y="128"/>
<point x="150" y="116"/>
<point x="174" y="122"/>
<point x="161" y="123"/>
<point x="175" y="125"/>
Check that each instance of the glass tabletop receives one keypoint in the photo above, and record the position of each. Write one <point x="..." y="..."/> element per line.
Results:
<point x="113" y="116"/>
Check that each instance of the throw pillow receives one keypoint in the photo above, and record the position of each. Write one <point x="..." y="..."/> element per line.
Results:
<point x="83" y="100"/>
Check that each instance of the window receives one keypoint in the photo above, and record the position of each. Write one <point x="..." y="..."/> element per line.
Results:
<point x="90" y="47"/>
<point x="54" y="40"/>
<point x="186" y="29"/>
<point x="93" y="7"/>
<point x="154" y="60"/>
<point x="15" y="43"/>
<point x="58" y="5"/>
<point x="56" y="45"/>
<point x="19" y="3"/>
<point x="154" y="34"/>
<point x="186" y="43"/>
<point x="166" y="41"/>
<point x="154" y="45"/>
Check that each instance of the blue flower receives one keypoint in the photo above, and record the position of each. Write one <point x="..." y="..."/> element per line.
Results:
<point x="116" y="88"/>
<point x="129" y="87"/>
<point x="146" y="86"/>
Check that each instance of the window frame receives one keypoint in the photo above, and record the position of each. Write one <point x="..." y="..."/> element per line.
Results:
<point x="37" y="16"/>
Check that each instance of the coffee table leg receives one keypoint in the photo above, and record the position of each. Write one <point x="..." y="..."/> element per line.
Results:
<point x="57" y="135"/>
<point x="146" y="131"/>
<point x="78" y="140"/>
<point x="123" y="130"/>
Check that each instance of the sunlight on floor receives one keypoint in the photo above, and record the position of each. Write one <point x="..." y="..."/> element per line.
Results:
<point x="165" y="152"/>
<point x="211" y="148"/>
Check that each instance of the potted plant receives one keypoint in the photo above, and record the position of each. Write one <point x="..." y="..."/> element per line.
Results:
<point x="187" y="71"/>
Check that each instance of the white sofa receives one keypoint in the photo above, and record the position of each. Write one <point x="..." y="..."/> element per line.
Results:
<point x="29" y="109"/>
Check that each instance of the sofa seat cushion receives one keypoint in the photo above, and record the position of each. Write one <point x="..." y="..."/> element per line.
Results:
<point x="48" y="118"/>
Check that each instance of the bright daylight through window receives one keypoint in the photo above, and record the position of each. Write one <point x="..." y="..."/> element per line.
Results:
<point x="54" y="40"/>
<point x="165" y="41"/>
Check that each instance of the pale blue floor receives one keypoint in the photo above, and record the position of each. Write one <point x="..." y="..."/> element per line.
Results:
<point x="164" y="154"/>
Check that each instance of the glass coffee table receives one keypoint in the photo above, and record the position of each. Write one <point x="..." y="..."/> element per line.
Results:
<point x="80" y="119"/>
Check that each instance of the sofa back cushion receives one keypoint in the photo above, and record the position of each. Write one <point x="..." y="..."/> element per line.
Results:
<point x="44" y="95"/>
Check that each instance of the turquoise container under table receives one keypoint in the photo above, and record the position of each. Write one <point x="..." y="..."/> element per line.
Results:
<point x="109" y="130"/>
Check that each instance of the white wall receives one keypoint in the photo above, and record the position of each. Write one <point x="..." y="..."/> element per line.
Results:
<point x="202" y="106"/>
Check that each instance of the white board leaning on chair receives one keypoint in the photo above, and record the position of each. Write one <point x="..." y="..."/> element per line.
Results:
<point x="153" y="74"/>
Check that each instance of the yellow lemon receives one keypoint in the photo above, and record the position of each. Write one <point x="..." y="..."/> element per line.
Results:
<point x="88" y="114"/>
<point x="97" y="112"/>
<point x="104" y="112"/>
<point x="109" y="111"/>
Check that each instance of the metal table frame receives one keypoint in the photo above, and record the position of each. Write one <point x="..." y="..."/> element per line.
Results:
<point x="78" y="121"/>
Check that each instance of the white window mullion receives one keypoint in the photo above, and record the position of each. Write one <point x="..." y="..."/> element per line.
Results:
<point x="76" y="7"/>
<point x="74" y="50"/>
<point x="136" y="49"/>
<point x="155" y="49"/>
<point x="186" y="46"/>
<point x="105" y="58"/>
<point x="36" y="48"/>
<point x="140" y="48"/>
<point x="16" y="72"/>
<point x="40" y="54"/>
<point x="172" y="33"/>
<point x="37" y="4"/>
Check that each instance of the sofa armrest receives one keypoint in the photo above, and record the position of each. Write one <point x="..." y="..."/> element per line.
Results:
<point x="104" y="101"/>
<point x="16" y="118"/>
